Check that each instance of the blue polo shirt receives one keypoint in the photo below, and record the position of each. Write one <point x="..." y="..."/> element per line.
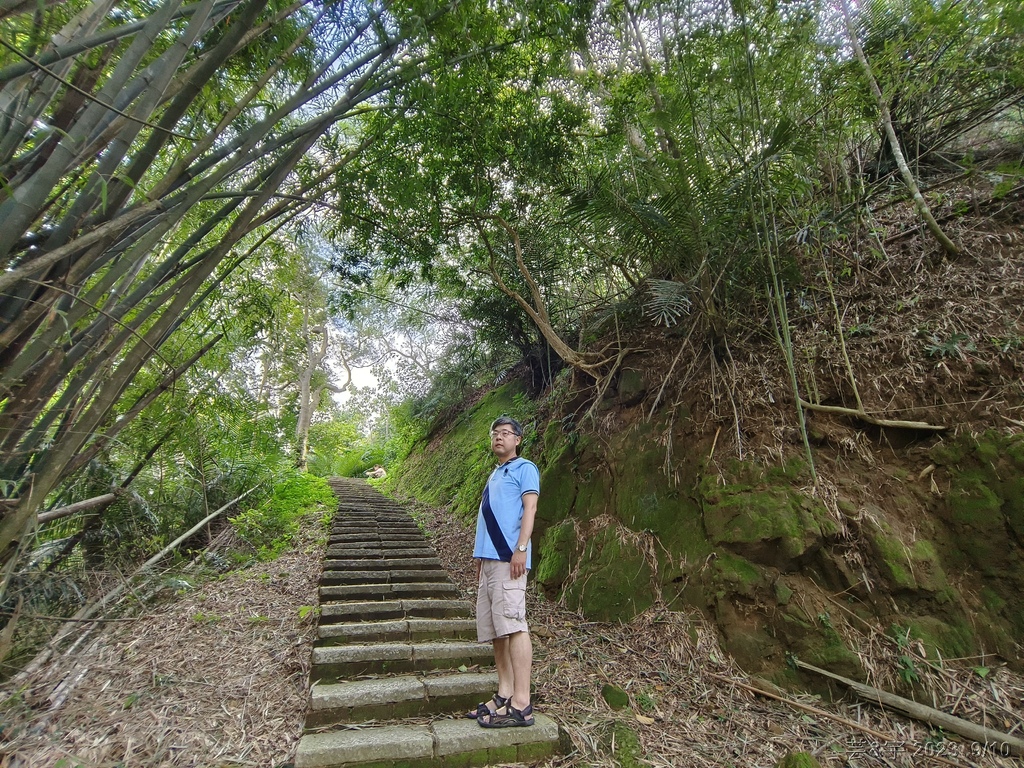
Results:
<point x="504" y="493"/>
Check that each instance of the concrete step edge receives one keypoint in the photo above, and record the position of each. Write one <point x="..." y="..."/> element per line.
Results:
<point x="429" y="745"/>
<point x="388" y="698"/>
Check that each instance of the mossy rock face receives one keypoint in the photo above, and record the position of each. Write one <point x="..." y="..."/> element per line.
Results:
<point x="737" y="575"/>
<point x="829" y="652"/>
<point x="558" y="494"/>
<point x="645" y="499"/>
<point x="813" y="639"/>
<point x="557" y="480"/>
<point x="631" y="387"/>
<point x="907" y="567"/>
<point x="984" y="509"/>
<point x="773" y="526"/>
<point x="558" y="546"/>
<point x="951" y="639"/>
<point x="594" y="496"/>
<point x="615" y="580"/>
<point x="745" y="636"/>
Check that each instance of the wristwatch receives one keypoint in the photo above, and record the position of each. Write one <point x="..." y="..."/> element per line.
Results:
<point x="520" y="548"/>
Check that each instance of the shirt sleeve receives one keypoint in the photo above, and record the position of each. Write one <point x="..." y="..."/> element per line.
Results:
<point x="529" y="479"/>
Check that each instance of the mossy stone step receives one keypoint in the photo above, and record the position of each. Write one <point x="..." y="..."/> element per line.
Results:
<point x="399" y="541"/>
<point x="372" y="540"/>
<point x="442" y="743"/>
<point x="389" y="522"/>
<point x="441" y="589"/>
<point x="381" y="530"/>
<point x="390" y="698"/>
<point x="358" y="504"/>
<point x="332" y="577"/>
<point x="411" y="630"/>
<point x="374" y="518"/>
<point x="381" y="564"/>
<point x="332" y="664"/>
<point x="382" y="517"/>
<point x="369" y="553"/>
<point x="378" y="610"/>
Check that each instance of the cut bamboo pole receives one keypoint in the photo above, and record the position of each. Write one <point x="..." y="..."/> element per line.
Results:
<point x="78" y="506"/>
<point x="995" y="740"/>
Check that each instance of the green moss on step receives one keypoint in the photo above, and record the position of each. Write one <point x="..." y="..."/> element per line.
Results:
<point x="502" y="754"/>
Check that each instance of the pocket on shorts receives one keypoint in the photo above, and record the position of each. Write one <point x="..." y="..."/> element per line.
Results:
<point x="514" y="602"/>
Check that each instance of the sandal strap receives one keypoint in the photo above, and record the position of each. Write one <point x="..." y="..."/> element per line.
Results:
<point x="498" y="701"/>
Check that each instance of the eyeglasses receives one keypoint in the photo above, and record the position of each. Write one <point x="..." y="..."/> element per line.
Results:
<point x="503" y="433"/>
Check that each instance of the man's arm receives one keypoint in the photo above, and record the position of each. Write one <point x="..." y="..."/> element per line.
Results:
<point x="518" y="564"/>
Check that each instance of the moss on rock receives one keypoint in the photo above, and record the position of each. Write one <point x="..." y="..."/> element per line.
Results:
<point x="984" y="508"/>
<point x="614" y="697"/>
<point x="624" y="746"/>
<point x="614" y="580"/>
<point x="953" y="639"/>
<point x="773" y="525"/>
<point x="908" y="567"/>
<point x="737" y="574"/>
<point x="558" y="545"/>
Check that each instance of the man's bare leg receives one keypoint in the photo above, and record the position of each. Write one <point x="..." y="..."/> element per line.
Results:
<point x="506" y="671"/>
<point x="520" y="648"/>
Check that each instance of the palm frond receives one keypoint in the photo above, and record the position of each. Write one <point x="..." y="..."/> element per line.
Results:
<point x="669" y="301"/>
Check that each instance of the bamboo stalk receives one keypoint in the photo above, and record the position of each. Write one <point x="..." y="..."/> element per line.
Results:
<point x="859" y="414"/>
<point x="78" y="506"/>
<point x="995" y="740"/>
<point x="90" y="610"/>
<point x="894" y="144"/>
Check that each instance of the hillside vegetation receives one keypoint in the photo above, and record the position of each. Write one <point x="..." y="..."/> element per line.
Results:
<point x="690" y="487"/>
<point x="751" y="272"/>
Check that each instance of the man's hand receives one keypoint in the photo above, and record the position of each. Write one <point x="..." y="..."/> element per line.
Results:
<point x="479" y="568"/>
<point x="517" y="567"/>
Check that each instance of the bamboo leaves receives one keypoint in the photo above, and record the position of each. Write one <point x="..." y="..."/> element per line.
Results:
<point x="117" y="228"/>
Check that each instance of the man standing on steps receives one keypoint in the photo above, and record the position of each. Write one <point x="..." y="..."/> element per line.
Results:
<point x="503" y="556"/>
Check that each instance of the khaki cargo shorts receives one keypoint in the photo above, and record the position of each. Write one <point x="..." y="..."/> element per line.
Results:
<point x="500" y="602"/>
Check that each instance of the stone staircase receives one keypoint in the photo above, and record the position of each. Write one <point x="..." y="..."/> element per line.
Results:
<point x="386" y="687"/>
